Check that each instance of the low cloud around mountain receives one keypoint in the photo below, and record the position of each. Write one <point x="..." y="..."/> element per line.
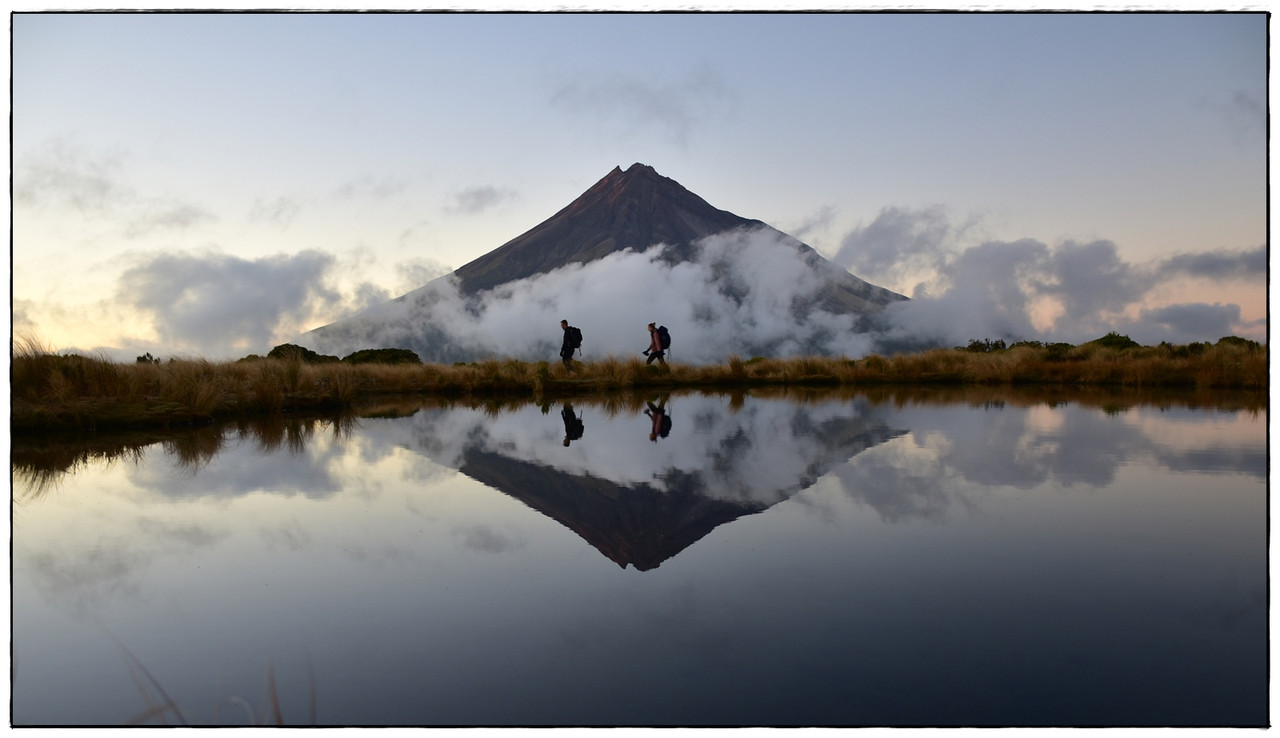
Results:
<point x="750" y="290"/>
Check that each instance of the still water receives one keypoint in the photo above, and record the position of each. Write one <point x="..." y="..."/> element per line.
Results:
<point x="888" y="560"/>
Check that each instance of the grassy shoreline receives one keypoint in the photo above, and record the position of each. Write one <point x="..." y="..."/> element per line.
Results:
<point x="52" y="392"/>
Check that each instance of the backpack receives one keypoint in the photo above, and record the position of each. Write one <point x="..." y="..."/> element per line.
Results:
<point x="573" y="425"/>
<point x="664" y="425"/>
<point x="575" y="338"/>
<point x="664" y="337"/>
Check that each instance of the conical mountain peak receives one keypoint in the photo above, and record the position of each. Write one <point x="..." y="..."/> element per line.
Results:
<point x="632" y="209"/>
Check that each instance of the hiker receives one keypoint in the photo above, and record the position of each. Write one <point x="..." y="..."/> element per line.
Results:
<point x="661" y="421"/>
<point x="656" y="349"/>
<point x="572" y="342"/>
<point x="573" y="426"/>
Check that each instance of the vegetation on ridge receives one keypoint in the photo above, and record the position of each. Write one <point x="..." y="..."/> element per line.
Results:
<point x="71" y="392"/>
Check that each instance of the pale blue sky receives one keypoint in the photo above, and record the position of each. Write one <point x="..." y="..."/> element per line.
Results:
<point x="365" y="154"/>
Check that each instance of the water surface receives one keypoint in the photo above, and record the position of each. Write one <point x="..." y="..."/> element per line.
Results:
<point x="837" y="560"/>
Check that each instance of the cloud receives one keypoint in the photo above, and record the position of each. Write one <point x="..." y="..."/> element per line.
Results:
<point x="414" y="273"/>
<point x="485" y="539"/>
<point x="168" y="216"/>
<point x="673" y="107"/>
<point x="279" y="212"/>
<point x="815" y="223"/>
<point x="61" y="174"/>
<point x="897" y="240"/>
<point x="1187" y="322"/>
<point x="224" y="304"/>
<point x="21" y="321"/>
<point x="478" y="199"/>
<point x="1026" y="289"/>
<point x="1243" y="115"/>
<point x="737" y="297"/>
<point x="1222" y="265"/>
<point x="1090" y="279"/>
<point x="374" y="189"/>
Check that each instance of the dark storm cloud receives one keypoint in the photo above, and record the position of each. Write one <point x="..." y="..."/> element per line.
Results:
<point x="225" y="303"/>
<point x="478" y="199"/>
<point x="673" y="107"/>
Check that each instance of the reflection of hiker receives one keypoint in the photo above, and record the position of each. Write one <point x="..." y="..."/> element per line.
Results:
<point x="659" y="340"/>
<point x="572" y="424"/>
<point x="572" y="341"/>
<point x="661" y="420"/>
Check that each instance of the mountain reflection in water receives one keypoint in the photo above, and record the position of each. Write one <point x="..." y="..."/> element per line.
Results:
<point x="641" y="505"/>
<point x="642" y="478"/>
<point x="951" y="557"/>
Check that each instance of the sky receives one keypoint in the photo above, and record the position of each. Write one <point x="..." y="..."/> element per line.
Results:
<point x="216" y="184"/>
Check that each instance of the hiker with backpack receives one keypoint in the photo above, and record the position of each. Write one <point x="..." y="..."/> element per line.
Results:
<point x="659" y="342"/>
<point x="659" y="418"/>
<point x="573" y="425"/>
<point x="572" y="342"/>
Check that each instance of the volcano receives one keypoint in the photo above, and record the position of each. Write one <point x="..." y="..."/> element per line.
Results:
<point x="629" y="211"/>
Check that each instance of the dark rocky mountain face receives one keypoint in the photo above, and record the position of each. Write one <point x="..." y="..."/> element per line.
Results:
<point x="632" y="210"/>
<point x="626" y="212"/>
<point x="725" y="459"/>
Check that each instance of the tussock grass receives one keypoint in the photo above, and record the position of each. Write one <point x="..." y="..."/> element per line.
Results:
<point x="51" y="391"/>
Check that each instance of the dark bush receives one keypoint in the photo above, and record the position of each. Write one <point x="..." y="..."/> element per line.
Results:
<point x="1243" y="343"/>
<point x="1057" y="351"/>
<point x="1183" y="352"/>
<point x="1117" y="341"/>
<point x="985" y="346"/>
<point x="293" y="352"/>
<point x="382" y="356"/>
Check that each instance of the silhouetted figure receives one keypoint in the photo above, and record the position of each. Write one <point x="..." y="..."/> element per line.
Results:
<point x="661" y="421"/>
<point x="655" y="350"/>
<point x="573" y="426"/>
<point x="572" y="341"/>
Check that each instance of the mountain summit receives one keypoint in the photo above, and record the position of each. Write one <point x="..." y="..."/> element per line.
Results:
<point x="632" y="209"/>
<point x="635" y="247"/>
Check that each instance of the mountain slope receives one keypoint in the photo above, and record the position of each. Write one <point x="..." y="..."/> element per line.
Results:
<point x="625" y="213"/>
<point x="633" y="210"/>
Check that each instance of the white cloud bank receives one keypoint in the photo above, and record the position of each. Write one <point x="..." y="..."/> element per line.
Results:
<point x="738" y="297"/>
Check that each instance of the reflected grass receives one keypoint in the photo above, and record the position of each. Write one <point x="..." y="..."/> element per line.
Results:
<point x="39" y="461"/>
<point x="161" y="708"/>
